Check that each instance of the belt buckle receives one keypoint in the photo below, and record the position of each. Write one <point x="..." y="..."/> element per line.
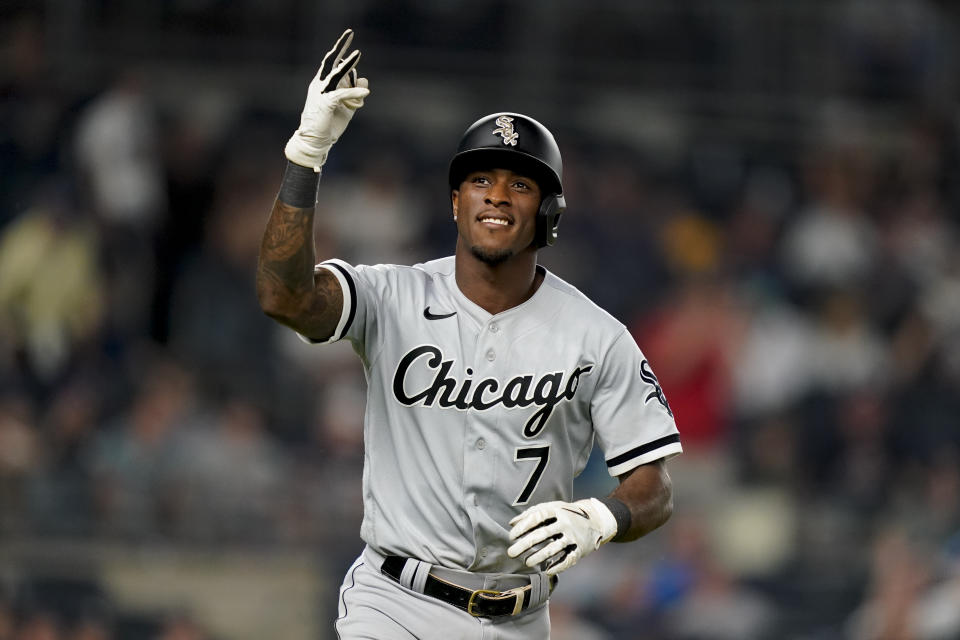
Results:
<point x="471" y="604"/>
<point x="516" y="593"/>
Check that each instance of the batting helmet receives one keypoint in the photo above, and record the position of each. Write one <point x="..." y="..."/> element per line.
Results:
<point x="518" y="142"/>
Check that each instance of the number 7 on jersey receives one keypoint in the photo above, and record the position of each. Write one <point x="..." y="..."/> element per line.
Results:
<point x="542" y="456"/>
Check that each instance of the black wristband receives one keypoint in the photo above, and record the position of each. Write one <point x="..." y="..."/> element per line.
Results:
<point x="299" y="186"/>
<point x="621" y="513"/>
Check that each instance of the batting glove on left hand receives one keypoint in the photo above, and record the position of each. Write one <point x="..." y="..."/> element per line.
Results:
<point x="571" y="530"/>
<point x="333" y="97"/>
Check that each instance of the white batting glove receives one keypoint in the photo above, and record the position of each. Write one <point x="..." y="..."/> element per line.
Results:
<point x="571" y="530"/>
<point x="333" y="97"/>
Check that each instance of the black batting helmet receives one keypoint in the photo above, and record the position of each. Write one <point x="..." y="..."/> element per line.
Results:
<point x="518" y="142"/>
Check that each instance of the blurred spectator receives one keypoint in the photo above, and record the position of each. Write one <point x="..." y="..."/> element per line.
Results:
<point x="769" y="451"/>
<point x="192" y="138"/>
<point x="51" y="288"/>
<point x="609" y="245"/>
<point x="720" y="609"/>
<point x="831" y="242"/>
<point x="60" y="493"/>
<point x="846" y="352"/>
<point x="927" y="501"/>
<point x="181" y="627"/>
<point x="905" y="599"/>
<point x="378" y="216"/>
<point x="118" y="155"/>
<point x="7" y="619"/>
<point x="686" y="593"/>
<point x="691" y="339"/>
<point x="774" y="368"/>
<point x="230" y="476"/>
<point x="19" y="452"/>
<point x="920" y="236"/>
<point x="119" y="166"/>
<point x="90" y="628"/>
<point x="566" y="624"/>
<point x="323" y="510"/>
<point x="863" y="470"/>
<point x="215" y="323"/>
<point x="33" y="112"/>
<point x="39" y="624"/>
<point x="132" y="461"/>
<point x="939" y="305"/>
<point x="753" y="230"/>
<point x="843" y="440"/>
<point x="894" y="49"/>
<point x="671" y="577"/>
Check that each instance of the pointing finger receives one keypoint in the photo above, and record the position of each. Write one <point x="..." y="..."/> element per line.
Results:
<point x="335" y="54"/>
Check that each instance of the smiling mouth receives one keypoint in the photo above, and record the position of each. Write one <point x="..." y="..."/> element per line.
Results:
<point x="501" y="222"/>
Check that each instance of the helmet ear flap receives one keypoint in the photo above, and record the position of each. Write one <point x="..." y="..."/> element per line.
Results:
<point x="548" y="219"/>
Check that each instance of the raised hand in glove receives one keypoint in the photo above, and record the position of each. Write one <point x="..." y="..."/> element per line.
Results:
<point x="333" y="97"/>
<point x="567" y="531"/>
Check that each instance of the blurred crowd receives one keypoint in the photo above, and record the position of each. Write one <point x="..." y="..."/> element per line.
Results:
<point x="800" y="306"/>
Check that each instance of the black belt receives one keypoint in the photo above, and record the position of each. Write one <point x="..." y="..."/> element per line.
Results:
<point x="479" y="603"/>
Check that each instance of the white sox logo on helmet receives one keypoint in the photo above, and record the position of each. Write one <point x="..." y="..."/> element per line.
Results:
<point x="505" y="124"/>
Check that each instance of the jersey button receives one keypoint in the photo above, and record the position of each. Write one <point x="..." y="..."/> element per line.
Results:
<point x="481" y="444"/>
<point x="491" y="356"/>
<point x="494" y="327"/>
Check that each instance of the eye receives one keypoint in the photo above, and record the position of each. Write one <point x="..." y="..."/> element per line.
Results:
<point x="480" y="179"/>
<point x="522" y="185"/>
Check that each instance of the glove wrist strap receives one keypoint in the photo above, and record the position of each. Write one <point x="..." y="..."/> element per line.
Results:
<point x="299" y="186"/>
<point x="621" y="513"/>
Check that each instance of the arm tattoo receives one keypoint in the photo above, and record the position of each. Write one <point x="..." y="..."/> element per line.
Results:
<point x="286" y="286"/>
<point x="286" y="253"/>
<point x="287" y="231"/>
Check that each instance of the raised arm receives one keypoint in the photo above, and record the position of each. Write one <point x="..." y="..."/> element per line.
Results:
<point x="287" y="288"/>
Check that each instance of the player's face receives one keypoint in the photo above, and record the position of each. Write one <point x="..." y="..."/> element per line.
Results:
<point x="496" y="213"/>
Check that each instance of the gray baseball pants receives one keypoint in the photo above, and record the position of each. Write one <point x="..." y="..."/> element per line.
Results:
<point x="373" y="606"/>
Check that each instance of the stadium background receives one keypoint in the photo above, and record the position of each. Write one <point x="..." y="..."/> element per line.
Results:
<point x="764" y="192"/>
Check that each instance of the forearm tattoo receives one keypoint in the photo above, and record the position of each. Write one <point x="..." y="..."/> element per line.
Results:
<point x="286" y="253"/>
<point x="285" y="280"/>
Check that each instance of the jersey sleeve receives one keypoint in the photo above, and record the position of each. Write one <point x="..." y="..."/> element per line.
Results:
<point x="362" y="286"/>
<point x="632" y="419"/>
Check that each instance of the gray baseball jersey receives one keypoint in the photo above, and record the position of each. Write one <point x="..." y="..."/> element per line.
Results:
<point x="473" y="417"/>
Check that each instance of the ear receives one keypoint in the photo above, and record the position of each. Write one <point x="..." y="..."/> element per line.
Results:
<point x="455" y="202"/>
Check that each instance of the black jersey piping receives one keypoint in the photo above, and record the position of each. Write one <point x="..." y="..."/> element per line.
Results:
<point x="642" y="449"/>
<point x="353" y="297"/>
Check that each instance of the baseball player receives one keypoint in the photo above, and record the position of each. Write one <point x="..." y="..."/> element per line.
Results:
<point x="489" y="378"/>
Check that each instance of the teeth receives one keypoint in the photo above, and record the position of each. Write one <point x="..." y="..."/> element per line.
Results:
<point x="495" y="221"/>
